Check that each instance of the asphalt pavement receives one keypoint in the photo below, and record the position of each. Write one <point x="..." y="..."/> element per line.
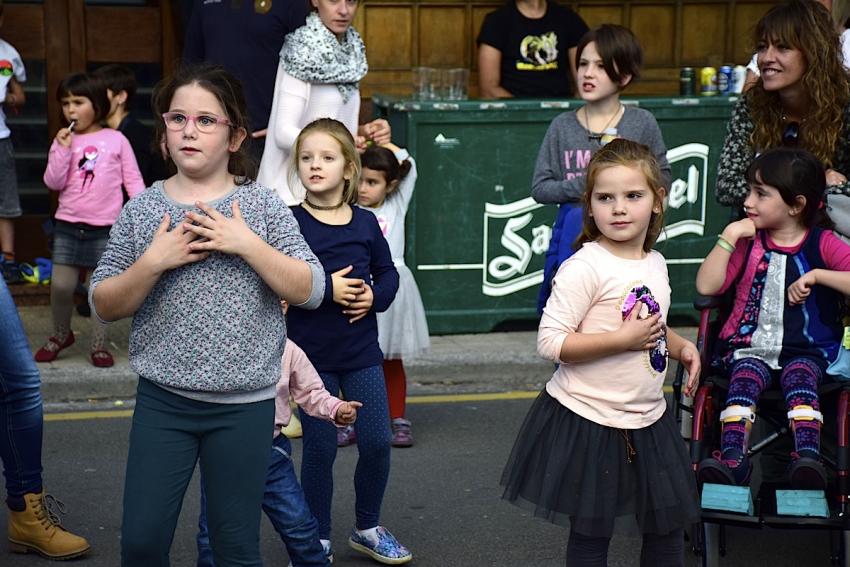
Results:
<point x="468" y="397"/>
<point x="443" y="498"/>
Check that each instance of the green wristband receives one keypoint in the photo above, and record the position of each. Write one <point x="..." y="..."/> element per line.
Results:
<point x="725" y="244"/>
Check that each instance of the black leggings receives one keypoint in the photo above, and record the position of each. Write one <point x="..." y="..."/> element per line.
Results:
<point x="666" y="550"/>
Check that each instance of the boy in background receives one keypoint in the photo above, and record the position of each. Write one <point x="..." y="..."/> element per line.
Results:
<point x="12" y="74"/>
<point x="120" y="83"/>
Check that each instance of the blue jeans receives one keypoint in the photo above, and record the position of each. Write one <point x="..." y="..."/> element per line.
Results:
<point x="373" y="445"/>
<point x="21" y="413"/>
<point x="285" y="506"/>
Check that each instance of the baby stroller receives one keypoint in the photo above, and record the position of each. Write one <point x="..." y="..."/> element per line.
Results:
<point x="700" y="422"/>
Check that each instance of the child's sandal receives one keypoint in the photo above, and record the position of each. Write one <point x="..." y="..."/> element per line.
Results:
<point x="101" y="358"/>
<point x="53" y="347"/>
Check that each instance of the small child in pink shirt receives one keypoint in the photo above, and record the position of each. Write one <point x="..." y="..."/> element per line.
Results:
<point x="87" y="165"/>
<point x="600" y="449"/>
<point x="790" y="275"/>
<point x="284" y="501"/>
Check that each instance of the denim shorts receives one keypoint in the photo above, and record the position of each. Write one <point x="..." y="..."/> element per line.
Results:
<point x="79" y="244"/>
<point x="10" y="203"/>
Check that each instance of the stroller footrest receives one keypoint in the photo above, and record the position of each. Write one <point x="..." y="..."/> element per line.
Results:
<point x="728" y="498"/>
<point x="802" y="503"/>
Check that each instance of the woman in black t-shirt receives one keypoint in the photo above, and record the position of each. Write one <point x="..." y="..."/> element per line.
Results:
<point x="527" y="48"/>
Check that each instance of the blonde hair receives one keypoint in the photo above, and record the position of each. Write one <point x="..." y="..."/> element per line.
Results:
<point x="632" y="155"/>
<point x="336" y="130"/>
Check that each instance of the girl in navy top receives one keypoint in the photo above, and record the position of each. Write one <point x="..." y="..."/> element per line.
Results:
<point x="341" y="336"/>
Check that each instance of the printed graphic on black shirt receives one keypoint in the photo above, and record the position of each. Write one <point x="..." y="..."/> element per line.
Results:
<point x="539" y="52"/>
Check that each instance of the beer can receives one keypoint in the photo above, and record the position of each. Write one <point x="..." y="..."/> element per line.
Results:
<point x="686" y="82"/>
<point x="725" y="80"/>
<point x="740" y="74"/>
<point x="708" y="81"/>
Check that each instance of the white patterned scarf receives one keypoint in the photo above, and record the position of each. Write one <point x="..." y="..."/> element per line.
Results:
<point x="313" y="54"/>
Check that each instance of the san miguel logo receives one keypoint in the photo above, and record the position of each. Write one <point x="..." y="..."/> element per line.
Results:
<point x="516" y="235"/>
<point x="684" y="210"/>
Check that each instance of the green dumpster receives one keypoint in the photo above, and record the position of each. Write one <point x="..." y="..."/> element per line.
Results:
<point x="475" y="238"/>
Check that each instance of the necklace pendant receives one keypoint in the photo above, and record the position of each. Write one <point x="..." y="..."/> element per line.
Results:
<point x="608" y="136"/>
<point x="608" y="133"/>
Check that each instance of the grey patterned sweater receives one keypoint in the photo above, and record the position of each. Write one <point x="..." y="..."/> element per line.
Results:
<point x="213" y="329"/>
<point x="737" y="155"/>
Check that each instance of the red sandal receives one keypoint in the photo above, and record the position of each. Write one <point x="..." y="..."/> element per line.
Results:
<point x="101" y="358"/>
<point x="53" y="347"/>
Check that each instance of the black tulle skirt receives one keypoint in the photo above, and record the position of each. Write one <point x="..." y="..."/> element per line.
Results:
<point x="599" y="480"/>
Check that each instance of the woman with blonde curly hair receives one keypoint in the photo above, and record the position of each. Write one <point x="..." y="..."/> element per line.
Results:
<point x="801" y="99"/>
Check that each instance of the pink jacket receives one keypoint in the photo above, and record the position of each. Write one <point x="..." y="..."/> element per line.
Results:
<point x="89" y="176"/>
<point x="298" y="377"/>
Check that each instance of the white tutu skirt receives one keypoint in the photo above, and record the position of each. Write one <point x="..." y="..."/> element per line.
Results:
<point x="402" y="329"/>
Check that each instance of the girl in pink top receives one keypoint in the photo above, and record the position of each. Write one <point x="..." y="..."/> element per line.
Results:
<point x="87" y="165"/>
<point x="790" y="275"/>
<point x="599" y="448"/>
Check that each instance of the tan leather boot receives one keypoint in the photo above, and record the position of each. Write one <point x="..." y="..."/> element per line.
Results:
<point x="38" y="529"/>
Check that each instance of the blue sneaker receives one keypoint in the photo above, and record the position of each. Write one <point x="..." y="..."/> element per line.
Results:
<point x="387" y="549"/>
<point x="11" y="272"/>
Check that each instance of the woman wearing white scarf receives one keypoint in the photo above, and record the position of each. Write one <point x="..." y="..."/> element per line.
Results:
<point x="321" y="64"/>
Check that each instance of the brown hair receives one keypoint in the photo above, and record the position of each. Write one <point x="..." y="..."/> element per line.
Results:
<point x="117" y="78"/>
<point x="228" y="91"/>
<point x="841" y="14"/>
<point x="629" y="154"/>
<point x="806" y="26"/>
<point x="336" y="130"/>
<point x="794" y="172"/>
<point x="84" y="85"/>
<point x="619" y="49"/>
<point x="382" y="159"/>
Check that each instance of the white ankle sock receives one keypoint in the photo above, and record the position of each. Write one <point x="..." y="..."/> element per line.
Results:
<point x="371" y="534"/>
<point x="326" y="545"/>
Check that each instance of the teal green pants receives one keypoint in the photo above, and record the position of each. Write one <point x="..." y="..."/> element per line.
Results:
<point x="169" y="435"/>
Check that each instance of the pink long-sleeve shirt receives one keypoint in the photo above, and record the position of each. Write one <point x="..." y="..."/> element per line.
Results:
<point x="89" y="176"/>
<point x="299" y="378"/>
<point x="592" y="292"/>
